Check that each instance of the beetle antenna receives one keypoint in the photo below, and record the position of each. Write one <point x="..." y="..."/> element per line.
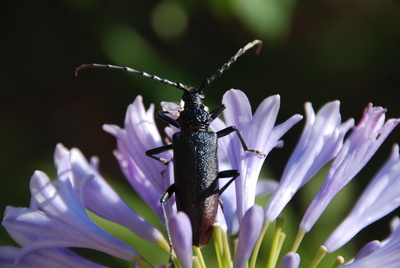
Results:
<point x="131" y="70"/>
<point x="226" y="66"/>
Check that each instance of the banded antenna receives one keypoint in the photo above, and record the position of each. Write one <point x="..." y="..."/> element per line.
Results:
<point x="164" y="81"/>
<point x="226" y="66"/>
<point x="131" y="70"/>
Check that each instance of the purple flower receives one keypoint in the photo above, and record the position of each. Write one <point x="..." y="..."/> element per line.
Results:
<point x="321" y="140"/>
<point x="57" y="218"/>
<point x="61" y="258"/>
<point x="148" y="177"/>
<point x="248" y="234"/>
<point x="368" y="249"/>
<point x="98" y="196"/>
<point x="181" y="236"/>
<point x="386" y="255"/>
<point x="259" y="132"/>
<point x="290" y="260"/>
<point x="356" y="151"/>
<point x="381" y="197"/>
<point x="59" y="221"/>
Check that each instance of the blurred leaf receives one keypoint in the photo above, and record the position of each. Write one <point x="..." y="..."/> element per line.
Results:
<point x="268" y="19"/>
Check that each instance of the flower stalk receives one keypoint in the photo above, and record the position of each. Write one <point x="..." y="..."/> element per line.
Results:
<point x="276" y="244"/>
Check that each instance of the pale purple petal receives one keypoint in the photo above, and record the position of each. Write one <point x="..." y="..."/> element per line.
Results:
<point x="224" y="142"/>
<point x="34" y="230"/>
<point x="140" y="134"/>
<point x="321" y="140"/>
<point x="60" y="258"/>
<point x="259" y="133"/>
<point x="144" y="188"/>
<point x="387" y="256"/>
<point x="266" y="187"/>
<point x="172" y="107"/>
<point x="381" y="197"/>
<point x="62" y="221"/>
<point x="250" y="229"/>
<point x="394" y="223"/>
<point x="99" y="197"/>
<point x="228" y="199"/>
<point x="368" y="249"/>
<point x="148" y="177"/>
<point x="358" y="148"/>
<point x="227" y="224"/>
<point x="181" y="236"/>
<point x="174" y="110"/>
<point x="59" y="153"/>
<point x="290" y="260"/>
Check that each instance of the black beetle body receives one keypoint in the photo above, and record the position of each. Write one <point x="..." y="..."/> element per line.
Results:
<point x="195" y="150"/>
<point x="195" y="159"/>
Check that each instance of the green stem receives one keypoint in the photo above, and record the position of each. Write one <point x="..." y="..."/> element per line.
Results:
<point x="200" y="258"/>
<point x="143" y="262"/>
<point x="227" y="252"/>
<point x="258" y="245"/>
<point x="319" y="256"/>
<point x="338" y="262"/>
<point x="196" y="262"/>
<point x="275" y="247"/>
<point x="297" y="241"/>
<point x="218" y="244"/>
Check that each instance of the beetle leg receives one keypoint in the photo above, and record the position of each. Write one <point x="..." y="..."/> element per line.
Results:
<point x="221" y="204"/>
<point x="227" y="174"/>
<point x="167" y="119"/>
<point x="229" y="130"/>
<point x="167" y="195"/>
<point x="152" y="152"/>
<point x="215" y="113"/>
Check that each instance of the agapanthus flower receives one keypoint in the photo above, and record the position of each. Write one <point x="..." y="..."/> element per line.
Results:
<point x="58" y="219"/>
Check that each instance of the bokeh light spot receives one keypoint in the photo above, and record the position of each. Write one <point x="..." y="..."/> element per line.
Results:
<point x="169" y="20"/>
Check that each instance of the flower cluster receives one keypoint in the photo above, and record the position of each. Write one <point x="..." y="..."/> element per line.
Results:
<point x="57" y="218"/>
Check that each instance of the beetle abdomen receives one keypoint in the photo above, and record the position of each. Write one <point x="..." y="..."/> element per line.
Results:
<point x="196" y="170"/>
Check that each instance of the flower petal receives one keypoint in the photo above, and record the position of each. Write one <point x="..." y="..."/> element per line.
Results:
<point x="100" y="198"/>
<point x="250" y="229"/>
<point x="61" y="222"/>
<point x="290" y="260"/>
<point x="181" y="236"/>
<point x="368" y="249"/>
<point x="381" y="197"/>
<point x="321" y="139"/>
<point x="386" y="256"/>
<point x="60" y="258"/>
<point x="139" y="135"/>
<point x="258" y="133"/>
<point x="359" y="147"/>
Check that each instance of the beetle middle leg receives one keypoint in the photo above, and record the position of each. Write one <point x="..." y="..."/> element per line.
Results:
<point x="227" y="174"/>
<point x="152" y="152"/>
<point x="229" y="130"/>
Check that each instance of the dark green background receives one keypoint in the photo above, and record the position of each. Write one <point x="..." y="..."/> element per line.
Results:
<point x="314" y="51"/>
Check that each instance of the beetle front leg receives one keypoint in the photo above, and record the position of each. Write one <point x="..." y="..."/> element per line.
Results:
<point x="229" y="130"/>
<point x="152" y="152"/>
<point x="215" y="113"/>
<point x="167" y="119"/>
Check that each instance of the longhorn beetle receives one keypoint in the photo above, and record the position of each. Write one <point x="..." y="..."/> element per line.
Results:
<point x="195" y="151"/>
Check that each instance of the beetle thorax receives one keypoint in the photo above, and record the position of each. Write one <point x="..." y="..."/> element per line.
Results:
<point x="194" y="117"/>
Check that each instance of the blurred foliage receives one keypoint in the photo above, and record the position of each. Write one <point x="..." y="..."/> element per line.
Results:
<point x="313" y="51"/>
